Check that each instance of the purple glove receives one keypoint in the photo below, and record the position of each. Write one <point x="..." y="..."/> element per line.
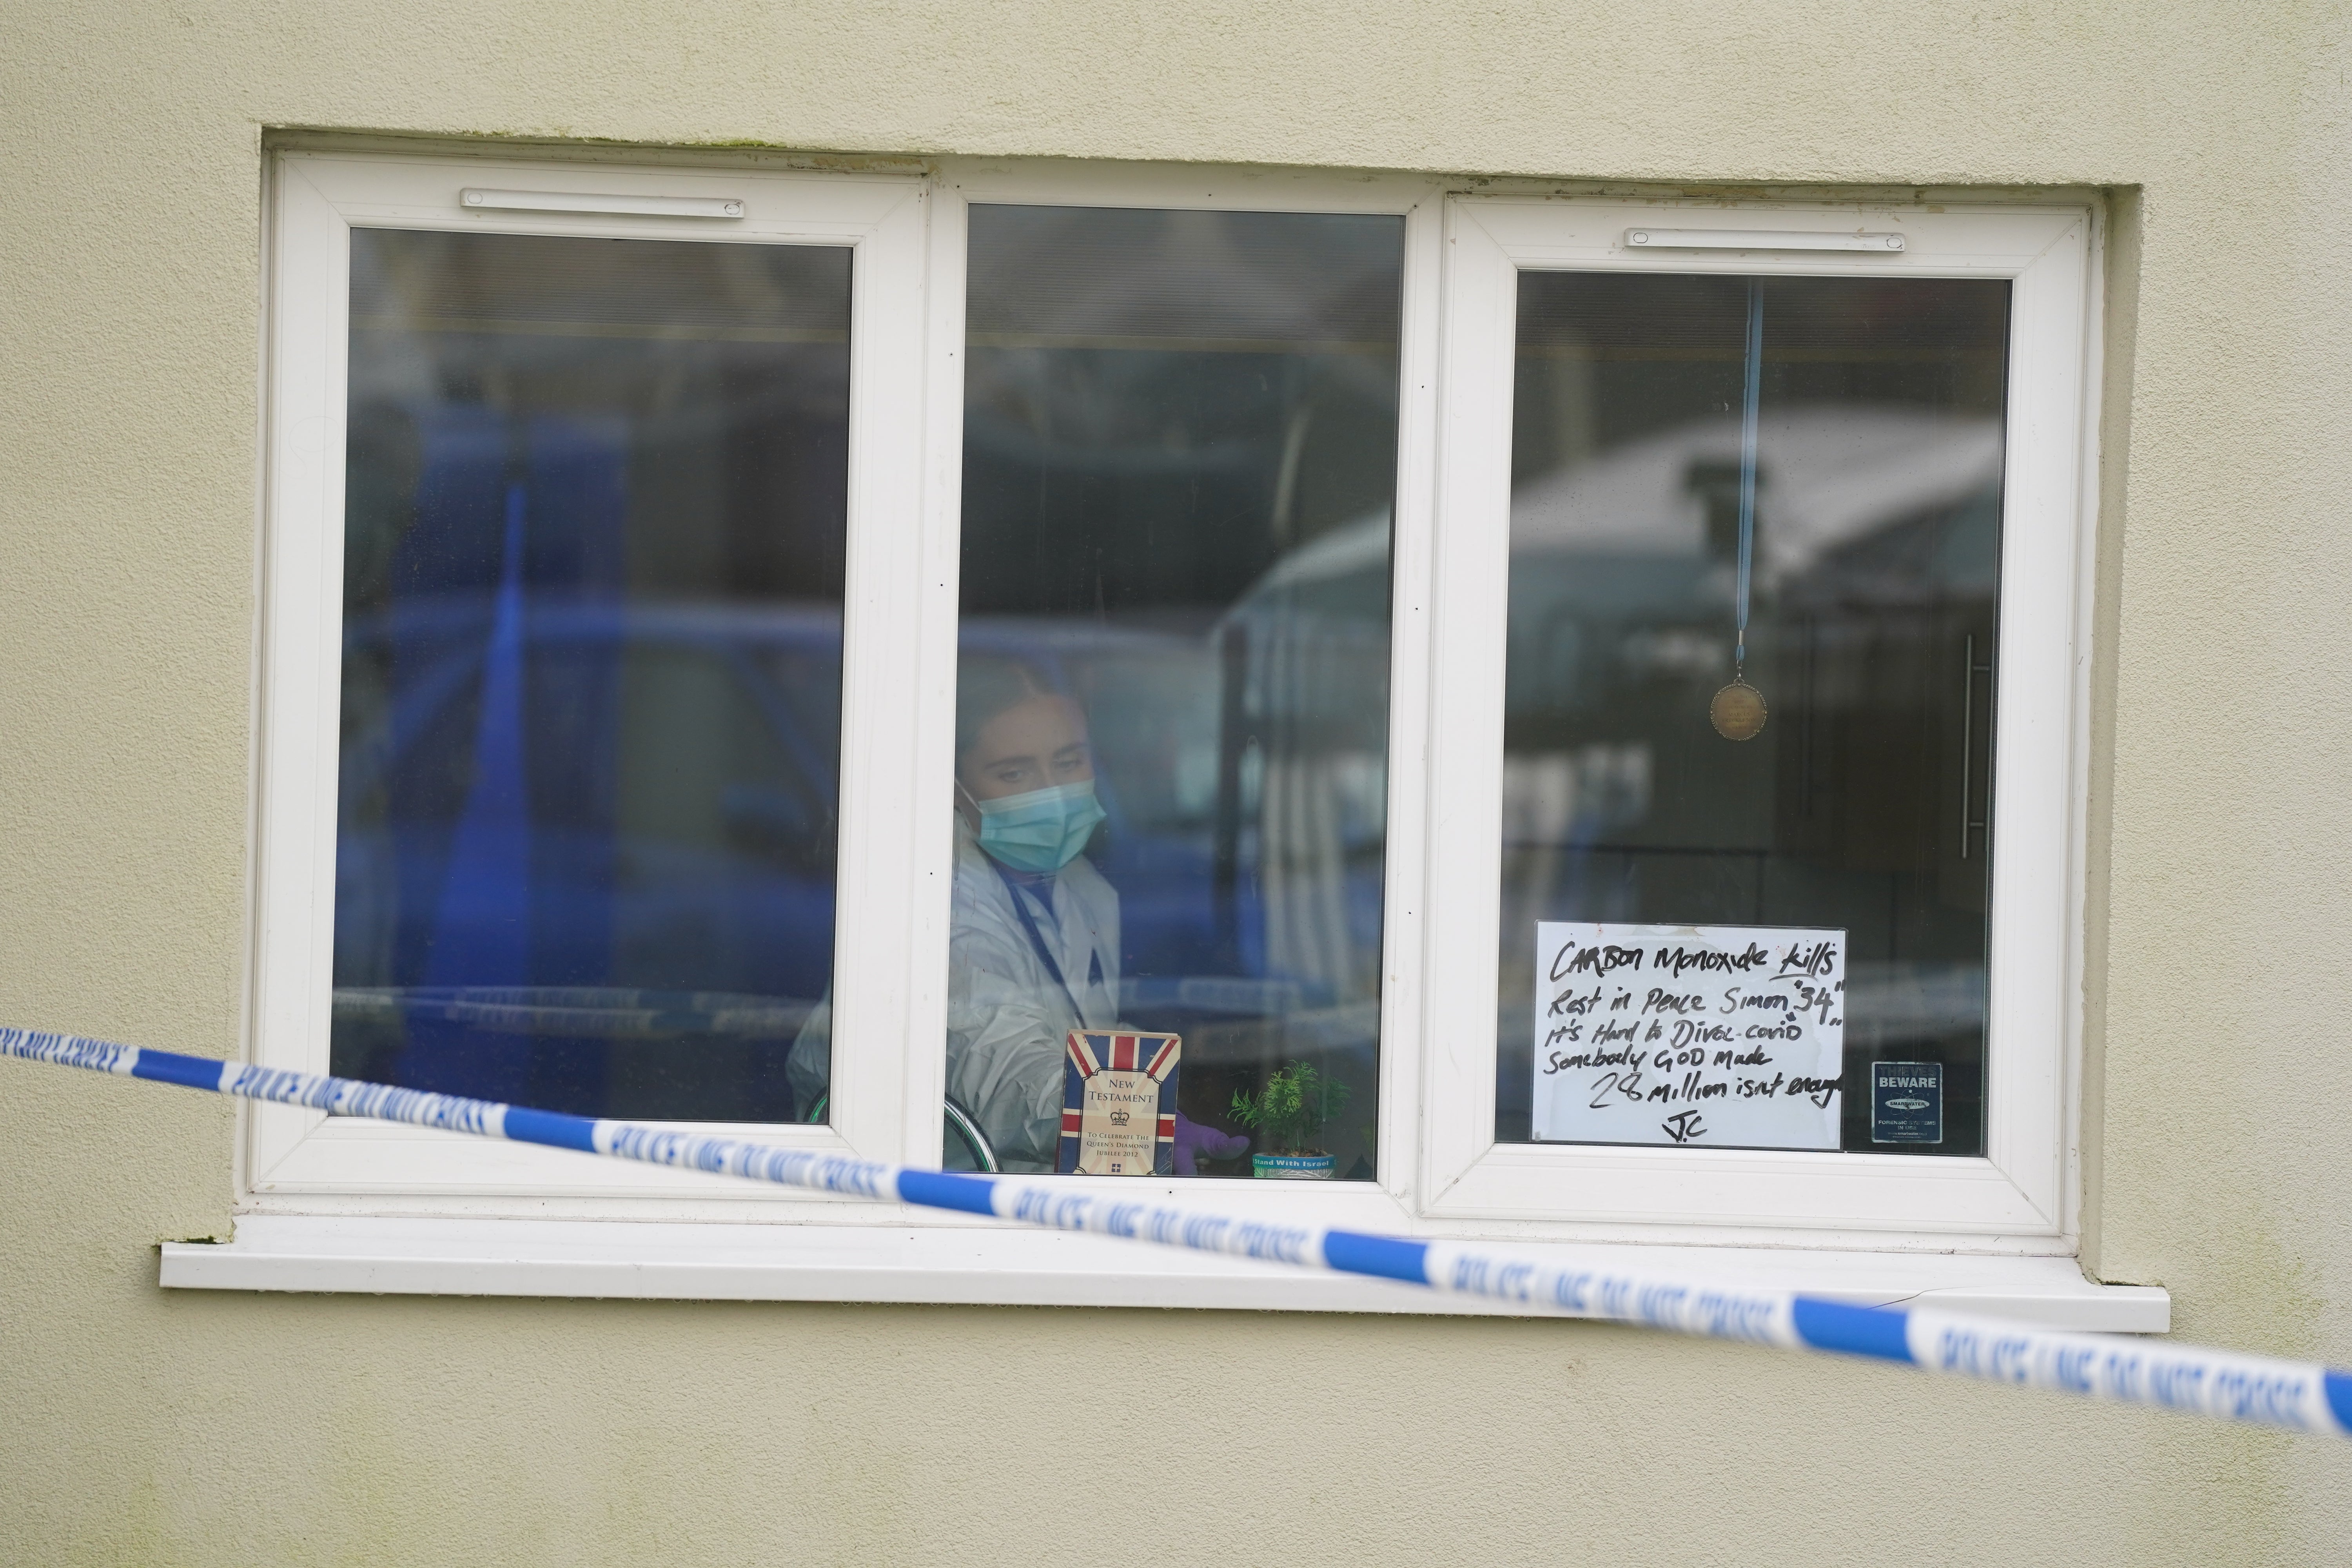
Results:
<point x="1195" y="1143"/>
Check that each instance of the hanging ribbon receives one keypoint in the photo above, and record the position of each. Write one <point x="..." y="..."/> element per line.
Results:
<point x="1751" y="403"/>
<point x="1738" y="711"/>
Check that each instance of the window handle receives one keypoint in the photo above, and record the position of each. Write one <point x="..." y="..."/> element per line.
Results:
<point x="1757" y="239"/>
<point x="1970" y="670"/>
<point x="476" y="199"/>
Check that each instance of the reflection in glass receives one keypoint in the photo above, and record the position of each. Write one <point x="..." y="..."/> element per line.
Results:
<point x="595" y="502"/>
<point x="1863" y="803"/>
<point x="1180" y="457"/>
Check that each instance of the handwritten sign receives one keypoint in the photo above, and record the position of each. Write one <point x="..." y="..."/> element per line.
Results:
<point x="1730" y="1037"/>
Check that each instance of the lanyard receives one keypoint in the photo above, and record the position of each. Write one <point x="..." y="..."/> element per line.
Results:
<point x="1037" y="940"/>
<point x="1749" y="407"/>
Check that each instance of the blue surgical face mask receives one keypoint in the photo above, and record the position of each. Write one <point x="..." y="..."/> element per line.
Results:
<point x="1042" y="830"/>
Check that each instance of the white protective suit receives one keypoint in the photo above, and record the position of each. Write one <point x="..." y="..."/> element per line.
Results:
<point x="1007" y="1018"/>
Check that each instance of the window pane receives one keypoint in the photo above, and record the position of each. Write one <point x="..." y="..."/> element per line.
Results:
<point x="1818" y="889"/>
<point x="1180" y="456"/>
<point x="595" y="501"/>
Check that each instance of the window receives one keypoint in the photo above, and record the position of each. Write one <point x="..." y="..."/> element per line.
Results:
<point x="1825" y="462"/>
<point x="594" y="501"/>
<point x="783" y="650"/>
<point x="1839" y="548"/>
<point x="576" y="482"/>
<point x="1179" y="450"/>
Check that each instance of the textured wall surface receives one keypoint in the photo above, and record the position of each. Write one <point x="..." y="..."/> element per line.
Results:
<point x="142" y="1426"/>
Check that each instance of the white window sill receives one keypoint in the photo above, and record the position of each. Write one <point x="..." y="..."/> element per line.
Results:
<point x="990" y="1265"/>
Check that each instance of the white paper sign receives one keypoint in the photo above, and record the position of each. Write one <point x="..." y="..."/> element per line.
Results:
<point x="1731" y="1037"/>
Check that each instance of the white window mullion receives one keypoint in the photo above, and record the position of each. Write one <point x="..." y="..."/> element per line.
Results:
<point x="928" y="621"/>
<point x="875" y="1081"/>
<point x="1404" y="989"/>
<point x="1470" y="590"/>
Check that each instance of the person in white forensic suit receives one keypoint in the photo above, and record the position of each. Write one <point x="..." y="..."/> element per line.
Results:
<point x="1033" y="937"/>
<point x="1034" y="934"/>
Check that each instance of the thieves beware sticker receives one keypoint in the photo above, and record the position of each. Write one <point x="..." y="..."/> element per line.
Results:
<point x="1906" y="1103"/>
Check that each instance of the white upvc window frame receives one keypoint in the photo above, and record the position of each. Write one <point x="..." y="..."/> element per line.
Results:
<point x="1388" y="1203"/>
<point x="319" y="199"/>
<point x="2019" y="1193"/>
<point x="899" y="684"/>
<point x="1440" y="1172"/>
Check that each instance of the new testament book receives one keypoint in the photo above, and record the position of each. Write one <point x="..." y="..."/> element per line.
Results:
<point x="1119" y="1104"/>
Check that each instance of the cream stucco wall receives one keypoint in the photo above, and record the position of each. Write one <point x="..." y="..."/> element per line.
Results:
<point x="141" y="1425"/>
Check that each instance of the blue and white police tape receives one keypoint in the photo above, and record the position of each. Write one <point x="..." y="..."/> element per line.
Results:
<point x="2300" y="1395"/>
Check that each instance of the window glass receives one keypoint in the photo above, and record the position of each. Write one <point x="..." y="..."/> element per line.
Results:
<point x="1715" y="933"/>
<point x="1171" y="726"/>
<point x="594" y="509"/>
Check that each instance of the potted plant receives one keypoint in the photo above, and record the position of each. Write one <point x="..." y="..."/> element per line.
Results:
<point x="1288" y="1114"/>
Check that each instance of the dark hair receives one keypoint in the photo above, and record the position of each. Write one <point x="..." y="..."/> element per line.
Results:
<point x="987" y="686"/>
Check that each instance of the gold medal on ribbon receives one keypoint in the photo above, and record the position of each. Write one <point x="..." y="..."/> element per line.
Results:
<point x="1737" y="712"/>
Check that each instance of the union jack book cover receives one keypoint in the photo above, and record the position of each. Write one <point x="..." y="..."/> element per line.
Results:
<point x="1119" y="1104"/>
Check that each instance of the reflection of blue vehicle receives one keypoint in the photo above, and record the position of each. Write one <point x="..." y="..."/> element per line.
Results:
<point x="611" y="808"/>
<point x="671" y="825"/>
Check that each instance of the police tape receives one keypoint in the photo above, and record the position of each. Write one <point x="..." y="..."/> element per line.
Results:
<point x="2299" y="1396"/>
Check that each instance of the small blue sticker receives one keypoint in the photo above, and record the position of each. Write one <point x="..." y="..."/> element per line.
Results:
<point x="1906" y="1103"/>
